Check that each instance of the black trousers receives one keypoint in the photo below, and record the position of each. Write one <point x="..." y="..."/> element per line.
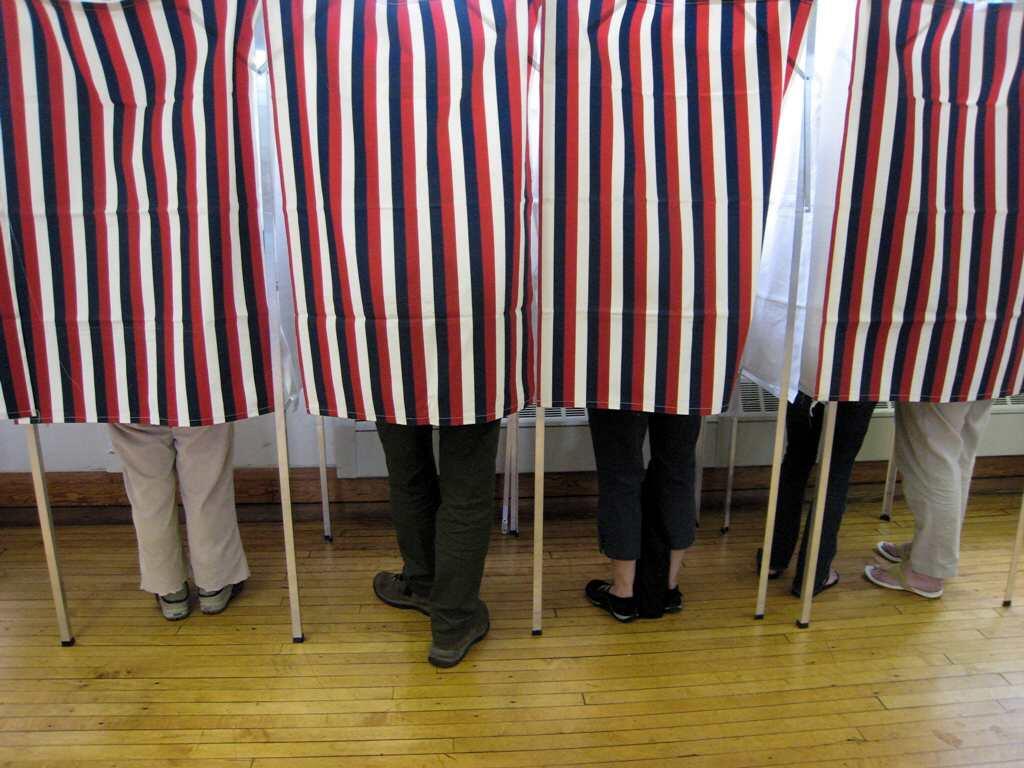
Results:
<point x="443" y="519"/>
<point x="618" y="438"/>
<point x="803" y="433"/>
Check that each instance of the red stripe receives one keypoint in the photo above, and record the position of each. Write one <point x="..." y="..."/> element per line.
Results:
<point x="574" y="89"/>
<point x="19" y="138"/>
<point x="411" y="183"/>
<point x="639" y="308"/>
<point x="54" y="90"/>
<point x="516" y="66"/>
<point x="485" y="212"/>
<point x="21" y="405"/>
<point x="606" y="193"/>
<point x="746" y="190"/>
<point x="445" y="108"/>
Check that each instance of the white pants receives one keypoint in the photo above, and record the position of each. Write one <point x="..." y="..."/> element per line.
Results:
<point x="201" y="459"/>
<point x="936" y="444"/>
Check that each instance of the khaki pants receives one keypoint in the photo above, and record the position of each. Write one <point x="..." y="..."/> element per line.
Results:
<point x="936" y="444"/>
<point x="200" y="459"/>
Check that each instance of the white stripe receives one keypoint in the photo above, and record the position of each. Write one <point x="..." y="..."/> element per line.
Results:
<point x="548" y="256"/>
<point x="685" y="209"/>
<point x="423" y="225"/>
<point x="617" y="189"/>
<point x="35" y="183"/>
<point x="646" y="398"/>
<point x="716" y="52"/>
<point x="579" y="314"/>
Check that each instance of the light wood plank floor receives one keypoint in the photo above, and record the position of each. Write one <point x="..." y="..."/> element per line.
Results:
<point x="880" y="679"/>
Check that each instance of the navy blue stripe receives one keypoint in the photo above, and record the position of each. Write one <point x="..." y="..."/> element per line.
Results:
<point x="888" y="250"/>
<point x="179" y="119"/>
<point x="131" y="16"/>
<point x="766" y="101"/>
<point x="219" y="242"/>
<point x="401" y="256"/>
<point x="248" y="207"/>
<point x="735" y="196"/>
<point x="476" y="279"/>
<point x="513" y="201"/>
<point x="121" y="213"/>
<point x="692" y="53"/>
<point x="444" y="399"/>
<point x="88" y="202"/>
<point x="914" y="288"/>
<point x="62" y="324"/>
<point x="594" y="307"/>
<point x="561" y="206"/>
<point x="668" y="314"/>
<point x="943" y="307"/>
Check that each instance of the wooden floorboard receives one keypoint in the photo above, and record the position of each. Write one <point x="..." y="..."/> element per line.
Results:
<point x="880" y="678"/>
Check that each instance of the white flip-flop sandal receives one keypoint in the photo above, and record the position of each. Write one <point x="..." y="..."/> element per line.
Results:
<point x="885" y="554"/>
<point x="900" y="584"/>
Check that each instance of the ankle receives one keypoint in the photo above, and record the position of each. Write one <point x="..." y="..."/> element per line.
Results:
<point x="620" y="591"/>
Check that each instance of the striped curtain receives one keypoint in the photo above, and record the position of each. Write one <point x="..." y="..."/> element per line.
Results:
<point x="659" y="126"/>
<point x="924" y="286"/>
<point x="15" y="389"/>
<point x="402" y="135"/>
<point x="129" y="223"/>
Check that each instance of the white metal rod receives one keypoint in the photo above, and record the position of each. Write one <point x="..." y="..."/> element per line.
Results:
<point x="513" y="516"/>
<point x="286" y="518"/>
<point x="538" y="524"/>
<point x="731" y="476"/>
<point x="1015" y="560"/>
<point x="814" y="545"/>
<point x="890" y="482"/>
<point x="35" y="457"/>
<point x="325" y="493"/>
<point x="506" y="491"/>
<point x="802" y="207"/>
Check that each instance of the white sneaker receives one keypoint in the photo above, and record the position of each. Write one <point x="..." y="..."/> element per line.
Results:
<point x="217" y="601"/>
<point x="175" y="606"/>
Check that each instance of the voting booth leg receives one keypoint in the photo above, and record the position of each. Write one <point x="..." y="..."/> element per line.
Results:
<point x="35" y="457"/>
<point x="773" y="505"/>
<point x="286" y="518"/>
<point x="325" y="494"/>
<point x="513" y="513"/>
<point x="890" y="484"/>
<point x="814" y="545"/>
<point x="1011" y="580"/>
<point x="698" y="470"/>
<point x="538" y="523"/>
<point x="731" y="476"/>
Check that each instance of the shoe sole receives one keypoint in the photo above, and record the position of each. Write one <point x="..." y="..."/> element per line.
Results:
<point x="617" y="616"/>
<point x="900" y="587"/>
<point x="403" y="606"/>
<point x="448" y="664"/>
<point x="881" y="552"/>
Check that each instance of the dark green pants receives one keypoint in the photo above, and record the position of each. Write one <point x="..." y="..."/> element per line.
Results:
<point x="443" y="519"/>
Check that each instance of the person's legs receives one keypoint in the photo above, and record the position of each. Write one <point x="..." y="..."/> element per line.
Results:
<point x="464" y="520"/>
<point x="415" y="499"/>
<point x="147" y="453"/>
<point x="852" y="423"/>
<point x="803" y="432"/>
<point x="618" y="439"/>
<point x="932" y="457"/>
<point x="974" y="426"/>
<point x="672" y="468"/>
<point x="207" y="481"/>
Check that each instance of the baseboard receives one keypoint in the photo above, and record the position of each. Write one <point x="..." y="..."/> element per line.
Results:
<point x="260" y="486"/>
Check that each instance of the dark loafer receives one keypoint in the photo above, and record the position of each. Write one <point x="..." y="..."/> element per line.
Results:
<point x="393" y="589"/>
<point x="448" y="656"/>
<point x="620" y="608"/>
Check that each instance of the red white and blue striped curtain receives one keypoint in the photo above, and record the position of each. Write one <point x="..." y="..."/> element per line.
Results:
<point x="15" y="388"/>
<point x="129" y="222"/>
<point x="659" y="128"/>
<point x="402" y="136"/>
<point x="924" y="286"/>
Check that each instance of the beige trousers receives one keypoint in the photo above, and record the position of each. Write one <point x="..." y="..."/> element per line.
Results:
<point x="200" y="459"/>
<point x="936" y="444"/>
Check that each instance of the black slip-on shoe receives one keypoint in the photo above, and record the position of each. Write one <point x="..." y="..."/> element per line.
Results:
<point x="673" y="600"/>
<point x="448" y="656"/>
<point x="831" y="581"/>
<point x="773" y="573"/>
<point x="393" y="589"/>
<point x="621" y="608"/>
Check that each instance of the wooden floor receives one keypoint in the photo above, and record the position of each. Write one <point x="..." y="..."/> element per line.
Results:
<point x="880" y="678"/>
